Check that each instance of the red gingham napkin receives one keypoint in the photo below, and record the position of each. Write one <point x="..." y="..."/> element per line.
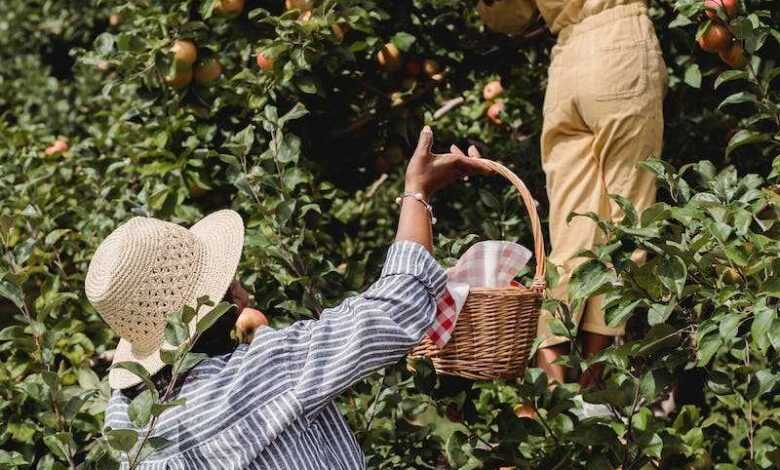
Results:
<point x="485" y="264"/>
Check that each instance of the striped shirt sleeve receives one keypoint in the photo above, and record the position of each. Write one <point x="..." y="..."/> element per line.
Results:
<point x="366" y="332"/>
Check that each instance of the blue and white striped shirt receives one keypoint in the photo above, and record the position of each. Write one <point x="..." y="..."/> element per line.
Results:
<point x="269" y="405"/>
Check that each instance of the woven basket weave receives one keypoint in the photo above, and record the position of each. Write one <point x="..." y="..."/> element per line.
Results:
<point x="497" y="326"/>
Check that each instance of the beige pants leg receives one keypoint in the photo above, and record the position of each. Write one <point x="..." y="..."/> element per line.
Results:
<point x="603" y="115"/>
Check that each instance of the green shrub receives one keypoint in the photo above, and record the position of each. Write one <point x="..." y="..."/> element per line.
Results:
<point x="302" y="152"/>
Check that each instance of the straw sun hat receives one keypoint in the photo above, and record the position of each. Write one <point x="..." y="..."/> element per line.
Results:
<point x="148" y="269"/>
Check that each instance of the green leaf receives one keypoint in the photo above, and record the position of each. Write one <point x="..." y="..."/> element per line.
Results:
<point x="212" y="316"/>
<point x="88" y="379"/>
<point x="693" y="75"/>
<point x="771" y="288"/>
<point x="122" y="440"/>
<point x="140" y="409"/>
<point x="762" y="321"/>
<point x="673" y="274"/>
<point x="159" y="408"/>
<point x="623" y="310"/>
<point x="708" y="346"/>
<point x="745" y="137"/>
<point x="176" y="332"/>
<point x="651" y="444"/>
<point x="104" y="44"/>
<point x="403" y="40"/>
<point x="589" y="278"/>
<point x="12" y="292"/>
<point x="456" y="456"/>
<point x="298" y="111"/>
<point x="189" y="361"/>
<point x="728" y="326"/>
<point x="730" y="75"/>
<point x="61" y="444"/>
<point x="137" y="370"/>
<point x="207" y="8"/>
<point x="738" y="98"/>
<point x="659" y="313"/>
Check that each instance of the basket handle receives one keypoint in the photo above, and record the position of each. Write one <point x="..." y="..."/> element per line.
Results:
<point x="540" y="282"/>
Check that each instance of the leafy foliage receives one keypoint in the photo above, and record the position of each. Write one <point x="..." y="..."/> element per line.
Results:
<point x="311" y="153"/>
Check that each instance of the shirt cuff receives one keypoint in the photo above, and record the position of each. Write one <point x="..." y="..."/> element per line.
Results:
<point x="411" y="258"/>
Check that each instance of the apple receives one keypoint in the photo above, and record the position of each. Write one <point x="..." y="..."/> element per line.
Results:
<point x="389" y="58"/>
<point x="229" y="7"/>
<point x="248" y="322"/>
<point x="431" y="68"/>
<point x="734" y="56"/>
<point x="412" y="68"/>
<point x="492" y="90"/>
<point x="103" y="65"/>
<point x="266" y="63"/>
<point x="524" y="410"/>
<point x="729" y="7"/>
<point x="115" y="19"/>
<point x="303" y="5"/>
<point x="184" y="52"/>
<point x="180" y="78"/>
<point x="716" y="38"/>
<point x="305" y="16"/>
<point x="207" y="70"/>
<point x="340" y="30"/>
<point x="494" y="112"/>
<point x="59" y="147"/>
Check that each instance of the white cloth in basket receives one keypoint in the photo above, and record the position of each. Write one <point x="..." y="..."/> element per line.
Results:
<point x="485" y="264"/>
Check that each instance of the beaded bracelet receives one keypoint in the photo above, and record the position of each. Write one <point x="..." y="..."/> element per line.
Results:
<point x="417" y="197"/>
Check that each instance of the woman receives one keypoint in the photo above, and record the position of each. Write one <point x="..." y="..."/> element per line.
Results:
<point x="603" y="114"/>
<point x="268" y="404"/>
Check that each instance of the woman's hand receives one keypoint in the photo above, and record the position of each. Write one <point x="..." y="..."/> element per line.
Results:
<point x="428" y="172"/>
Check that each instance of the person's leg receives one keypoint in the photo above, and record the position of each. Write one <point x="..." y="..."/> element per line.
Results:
<point x="571" y="176"/>
<point x="628" y="125"/>
<point x="592" y="344"/>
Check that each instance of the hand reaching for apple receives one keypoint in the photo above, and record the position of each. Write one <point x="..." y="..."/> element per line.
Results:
<point x="428" y="172"/>
<point x="248" y="321"/>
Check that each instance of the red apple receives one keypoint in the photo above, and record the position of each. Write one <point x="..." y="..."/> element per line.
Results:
<point x="184" y="52"/>
<point x="248" y="322"/>
<point x="115" y="20"/>
<point x="431" y="67"/>
<point x="229" y="7"/>
<point x="389" y="58"/>
<point x="207" y="70"/>
<point x="494" y="112"/>
<point x="340" y="30"/>
<point x="728" y="6"/>
<point x="265" y="62"/>
<point x="734" y="56"/>
<point x="59" y="147"/>
<point x="492" y="90"/>
<point x="303" y="5"/>
<point x="180" y="78"/>
<point x="715" y="39"/>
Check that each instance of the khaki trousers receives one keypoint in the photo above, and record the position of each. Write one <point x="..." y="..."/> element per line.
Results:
<point x="602" y="115"/>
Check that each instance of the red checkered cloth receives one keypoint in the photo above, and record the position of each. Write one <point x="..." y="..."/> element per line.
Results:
<point x="485" y="264"/>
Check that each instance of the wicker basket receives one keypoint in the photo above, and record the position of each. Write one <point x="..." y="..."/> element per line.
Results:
<point x="497" y="326"/>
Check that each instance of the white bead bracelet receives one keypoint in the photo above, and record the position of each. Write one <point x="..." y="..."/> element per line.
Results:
<point x="417" y="197"/>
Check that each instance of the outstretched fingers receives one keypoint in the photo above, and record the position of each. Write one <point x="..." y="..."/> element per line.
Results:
<point x="425" y="142"/>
